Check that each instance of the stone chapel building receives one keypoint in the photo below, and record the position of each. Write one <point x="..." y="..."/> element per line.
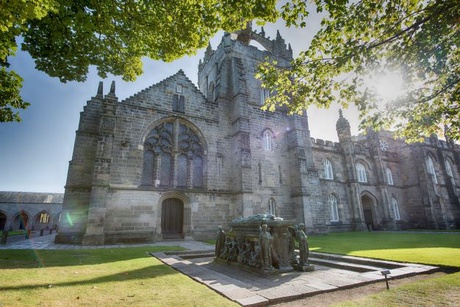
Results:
<point x="177" y="161"/>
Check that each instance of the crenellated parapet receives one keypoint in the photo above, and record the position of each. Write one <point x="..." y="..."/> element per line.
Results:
<point x="325" y="145"/>
<point x="276" y="46"/>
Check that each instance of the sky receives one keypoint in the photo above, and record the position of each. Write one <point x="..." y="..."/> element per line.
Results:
<point x="35" y="153"/>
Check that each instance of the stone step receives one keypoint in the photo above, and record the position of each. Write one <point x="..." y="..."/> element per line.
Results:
<point x="354" y="264"/>
<point x="361" y="268"/>
<point x="192" y="254"/>
<point x="355" y="260"/>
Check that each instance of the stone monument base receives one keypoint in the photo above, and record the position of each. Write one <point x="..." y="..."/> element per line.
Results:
<point x="304" y="268"/>
<point x="247" y="268"/>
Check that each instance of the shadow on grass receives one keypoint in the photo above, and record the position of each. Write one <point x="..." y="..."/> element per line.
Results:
<point x="28" y="258"/>
<point x="138" y="275"/>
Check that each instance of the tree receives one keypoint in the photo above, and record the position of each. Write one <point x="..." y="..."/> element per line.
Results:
<point x="65" y="37"/>
<point x="358" y="39"/>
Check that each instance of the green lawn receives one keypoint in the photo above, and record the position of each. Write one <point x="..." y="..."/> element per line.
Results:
<point x="427" y="248"/>
<point x="14" y="233"/>
<point x="435" y="249"/>
<point x="130" y="276"/>
<point x="97" y="277"/>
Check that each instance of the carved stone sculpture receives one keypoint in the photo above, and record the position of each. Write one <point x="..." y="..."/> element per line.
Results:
<point x="220" y="241"/>
<point x="265" y="240"/>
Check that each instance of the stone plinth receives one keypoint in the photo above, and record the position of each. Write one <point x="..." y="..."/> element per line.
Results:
<point x="243" y="245"/>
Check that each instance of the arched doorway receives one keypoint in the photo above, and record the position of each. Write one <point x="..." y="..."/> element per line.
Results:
<point x="172" y="218"/>
<point x="368" y="210"/>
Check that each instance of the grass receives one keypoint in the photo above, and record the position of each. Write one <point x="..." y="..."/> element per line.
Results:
<point x="130" y="276"/>
<point x="14" y="232"/>
<point x="433" y="249"/>
<point x="428" y="248"/>
<point x="92" y="277"/>
<point x="442" y="291"/>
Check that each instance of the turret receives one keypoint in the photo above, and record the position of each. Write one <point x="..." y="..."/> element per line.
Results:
<point x="343" y="128"/>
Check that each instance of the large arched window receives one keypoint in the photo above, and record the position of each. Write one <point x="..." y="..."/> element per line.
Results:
<point x="211" y="92"/>
<point x="389" y="176"/>
<point x="268" y="140"/>
<point x="271" y="207"/>
<point x="173" y="156"/>
<point x="394" y="204"/>
<point x="431" y="170"/>
<point x="449" y="171"/>
<point x="327" y="165"/>
<point x="361" y="172"/>
<point x="334" y="208"/>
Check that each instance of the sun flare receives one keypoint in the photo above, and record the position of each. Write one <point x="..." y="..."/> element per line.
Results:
<point x="387" y="86"/>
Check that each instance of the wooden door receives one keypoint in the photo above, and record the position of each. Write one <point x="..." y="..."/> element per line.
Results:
<point x="172" y="218"/>
<point x="368" y="217"/>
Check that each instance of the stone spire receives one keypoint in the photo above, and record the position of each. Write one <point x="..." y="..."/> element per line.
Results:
<point x="208" y="53"/>
<point x="343" y="127"/>
<point x="279" y="46"/>
<point x="100" y="90"/>
<point x="112" y="88"/>
<point x="111" y="95"/>
<point x="245" y="35"/>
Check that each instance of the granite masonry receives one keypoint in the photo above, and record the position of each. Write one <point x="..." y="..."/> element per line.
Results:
<point x="176" y="161"/>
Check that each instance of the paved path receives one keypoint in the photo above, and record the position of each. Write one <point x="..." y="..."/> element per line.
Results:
<point x="245" y="288"/>
<point x="47" y="242"/>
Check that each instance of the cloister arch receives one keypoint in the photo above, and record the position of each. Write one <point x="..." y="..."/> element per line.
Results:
<point x="20" y="221"/>
<point x="42" y="220"/>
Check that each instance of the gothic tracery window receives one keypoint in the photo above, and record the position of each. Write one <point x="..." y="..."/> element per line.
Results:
<point x="334" y="208"/>
<point x="328" y="174"/>
<point x="361" y="172"/>
<point x="394" y="204"/>
<point x="268" y="140"/>
<point x="211" y="92"/>
<point x="173" y="156"/>
<point x="431" y="170"/>
<point x="264" y="94"/>
<point x="449" y="171"/>
<point x="389" y="176"/>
